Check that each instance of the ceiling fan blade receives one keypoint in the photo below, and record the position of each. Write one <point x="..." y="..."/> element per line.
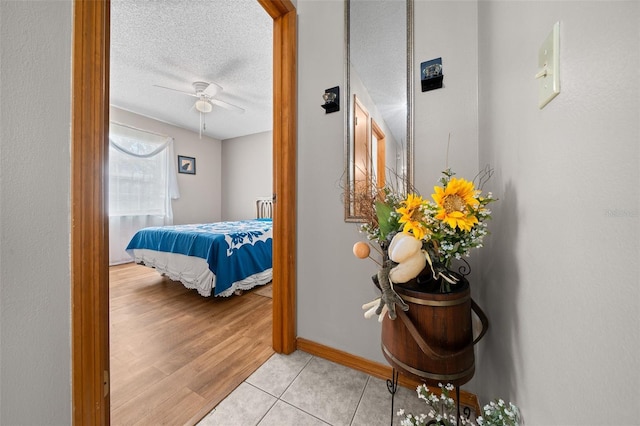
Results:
<point x="212" y="89"/>
<point x="226" y="105"/>
<point x="176" y="90"/>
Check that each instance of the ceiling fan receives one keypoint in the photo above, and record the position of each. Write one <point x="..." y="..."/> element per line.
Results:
<point x="206" y="99"/>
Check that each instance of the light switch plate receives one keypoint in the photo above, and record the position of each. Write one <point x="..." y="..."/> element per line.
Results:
<point x="549" y="67"/>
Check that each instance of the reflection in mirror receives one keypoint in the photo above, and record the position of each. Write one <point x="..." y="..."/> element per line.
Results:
<point x="378" y="97"/>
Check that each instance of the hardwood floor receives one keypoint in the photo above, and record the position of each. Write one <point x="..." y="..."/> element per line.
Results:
<point x="176" y="354"/>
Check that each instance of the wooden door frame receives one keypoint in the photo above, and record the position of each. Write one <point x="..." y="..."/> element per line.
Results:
<point x="361" y="186"/>
<point x="89" y="199"/>
<point x="381" y="153"/>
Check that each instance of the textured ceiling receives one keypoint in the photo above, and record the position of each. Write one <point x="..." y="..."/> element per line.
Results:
<point x="173" y="43"/>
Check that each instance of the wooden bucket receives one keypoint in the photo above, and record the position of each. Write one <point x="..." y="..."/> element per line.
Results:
<point x="433" y="341"/>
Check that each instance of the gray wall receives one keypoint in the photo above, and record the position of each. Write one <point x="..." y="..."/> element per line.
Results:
<point x="447" y="30"/>
<point x="247" y="167"/>
<point x="332" y="283"/>
<point x="560" y="274"/>
<point x="35" y="293"/>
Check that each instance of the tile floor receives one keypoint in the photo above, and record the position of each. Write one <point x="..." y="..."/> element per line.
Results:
<point x="301" y="389"/>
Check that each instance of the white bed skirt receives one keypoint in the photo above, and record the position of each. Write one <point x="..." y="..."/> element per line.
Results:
<point x="194" y="272"/>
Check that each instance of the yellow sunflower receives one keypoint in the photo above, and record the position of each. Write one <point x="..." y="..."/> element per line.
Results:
<point x="412" y="216"/>
<point x="454" y="202"/>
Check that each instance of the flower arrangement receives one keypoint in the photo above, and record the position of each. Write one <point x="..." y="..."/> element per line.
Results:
<point x="412" y="232"/>
<point x="442" y="411"/>
<point x="448" y="226"/>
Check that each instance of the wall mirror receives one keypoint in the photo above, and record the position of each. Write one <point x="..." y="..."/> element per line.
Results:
<point x="378" y="100"/>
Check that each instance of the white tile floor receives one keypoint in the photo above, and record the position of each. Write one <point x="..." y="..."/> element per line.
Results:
<point x="301" y="389"/>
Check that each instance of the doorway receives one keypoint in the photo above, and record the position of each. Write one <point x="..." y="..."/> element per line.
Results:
<point x="89" y="199"/>
<point x="379" y="152"/>
<point x="361" y="157"/>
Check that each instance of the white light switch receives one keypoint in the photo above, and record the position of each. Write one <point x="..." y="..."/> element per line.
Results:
<point x="549" y="67"/>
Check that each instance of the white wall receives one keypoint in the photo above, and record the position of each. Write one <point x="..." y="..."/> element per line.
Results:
<point x="35" y="311"/>
<point x="247" y="167"/>
<point x="560" y="272"/>
<point x="200" y="194"/>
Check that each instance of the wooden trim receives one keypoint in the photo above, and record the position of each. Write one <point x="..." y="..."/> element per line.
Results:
<point x="381" y="154"/>
<point x="343" y="358"/>
<point x="277" y="8"/>
<point x="374" y="369"/>
<point x="89" y="227"/>
<point x="284" y="179"/>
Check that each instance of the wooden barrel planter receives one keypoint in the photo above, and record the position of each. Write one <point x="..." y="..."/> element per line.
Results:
<point x="433" y="341"/>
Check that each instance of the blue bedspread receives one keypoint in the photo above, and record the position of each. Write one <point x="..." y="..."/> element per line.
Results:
<point x="233" y="250"/>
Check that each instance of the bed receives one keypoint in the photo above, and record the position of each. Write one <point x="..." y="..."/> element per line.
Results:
<point x="219" y="258"/>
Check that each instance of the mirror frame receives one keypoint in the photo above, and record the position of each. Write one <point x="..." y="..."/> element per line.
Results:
<point x="348" y="116"/>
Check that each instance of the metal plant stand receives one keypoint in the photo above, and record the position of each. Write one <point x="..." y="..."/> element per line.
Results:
<point x="392" y="387"/>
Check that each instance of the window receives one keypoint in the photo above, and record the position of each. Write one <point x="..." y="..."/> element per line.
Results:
<point x="142" y="183"/>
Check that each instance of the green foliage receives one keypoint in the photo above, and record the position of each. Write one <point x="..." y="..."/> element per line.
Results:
<point x="387" y="222"/>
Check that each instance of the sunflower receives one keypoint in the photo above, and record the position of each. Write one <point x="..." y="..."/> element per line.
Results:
<point x="412" y="216"/>
<point x="456" y="203"/>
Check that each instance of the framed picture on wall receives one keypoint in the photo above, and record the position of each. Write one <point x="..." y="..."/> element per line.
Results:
<point x="186" y="165"/>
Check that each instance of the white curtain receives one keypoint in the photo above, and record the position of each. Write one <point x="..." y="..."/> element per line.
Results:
<point x="142" y="182"/>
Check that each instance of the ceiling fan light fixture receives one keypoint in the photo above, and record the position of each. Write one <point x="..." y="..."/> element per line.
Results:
<point x="204" y="106"/>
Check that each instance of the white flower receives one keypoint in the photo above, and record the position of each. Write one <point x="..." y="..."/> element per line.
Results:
<point x="442" y="409"/>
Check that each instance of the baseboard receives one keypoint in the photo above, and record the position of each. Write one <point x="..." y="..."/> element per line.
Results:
<point x="373" y="368"/>
<point x="355" y="362"/>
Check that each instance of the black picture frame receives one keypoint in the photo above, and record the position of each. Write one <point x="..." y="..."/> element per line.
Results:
<point x="186" y="165"/>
